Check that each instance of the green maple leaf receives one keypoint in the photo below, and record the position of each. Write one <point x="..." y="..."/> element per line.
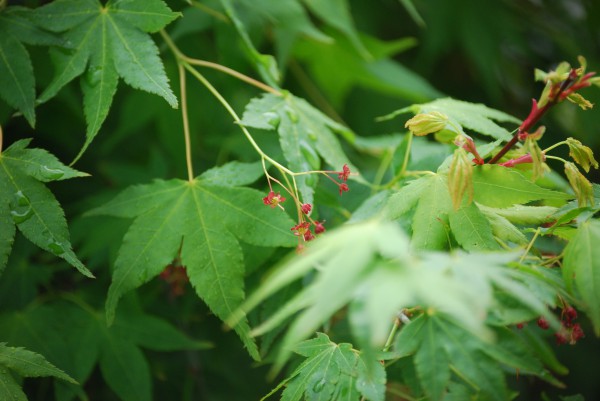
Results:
<point x="370" y="266"/>
<point x="332" y="372"/>
<point x="476" y="117"/>
<point x="203" y="221"/>
<point x="107" y="42"/>
<point x="89" y="342"/>
<point x="26" y="364"/>
<point x="581" y="269"/>
<point x="26" y="203"/>
<point x="305" y="135"/>
<point x="17" y="82"/>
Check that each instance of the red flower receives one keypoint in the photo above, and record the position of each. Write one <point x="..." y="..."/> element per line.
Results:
<point x="543" y="323"/>
<point x="345" y="173"/>
<point x="319" y="228"/>
<point x="560" y="338"/>
<point x="308" y="235"/>
<point x="273" y="200"/>
<point x="343" y="188"/>
<point x="301" y="228"/>
<point x="306" y="208"/>
<point x="577" y="333"/>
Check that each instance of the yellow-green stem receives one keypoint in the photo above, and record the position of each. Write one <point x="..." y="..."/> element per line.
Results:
<point x="1" y="139"/>
<point x="556" y="158"/>
<point x="186" y="124"/>
<point x="236" y="118"/>
<point x="233" y="73"/>
<point x="530" y="245"/>
<point x="402" y="171"/>
<point x="554" y="146"/>
<point x="209" y="11"/>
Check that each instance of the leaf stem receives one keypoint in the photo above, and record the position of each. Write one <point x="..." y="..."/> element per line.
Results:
<point x="236" y="118"/>
<point x="1" y="139"/>
<point x="209" y="11"/>
<point x="556" y="158"/>
<point x="403" y="171"/>
<point x="186" y="123"/>
<point x="530" y="245"/>
<point x="556" y="145"/>
<point x="233" y="73"/>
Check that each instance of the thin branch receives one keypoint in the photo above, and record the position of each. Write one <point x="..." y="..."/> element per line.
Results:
<point x="186" y="124"/>
<point x="234" y="73"/>
<point x="1" y="139"/>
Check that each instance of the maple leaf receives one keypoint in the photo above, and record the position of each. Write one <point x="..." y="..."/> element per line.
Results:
<point x="581" y="270"/>
<point x="332" y="372"/>
<point x="107" y="42"/>
<point x="26" y="203"/>
<point x="26" y="364"/>
<point x="476" y="117"/>
<point x="304" y="134"/>
<point x="441" y="347"/>
<point x="370" y="267"/>
<point x="89" y="342"/>
<point x="17" y="82"/>
<point x="205" y="221"/>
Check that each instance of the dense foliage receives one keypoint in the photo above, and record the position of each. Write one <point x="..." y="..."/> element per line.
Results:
<point x="216" y="200"/>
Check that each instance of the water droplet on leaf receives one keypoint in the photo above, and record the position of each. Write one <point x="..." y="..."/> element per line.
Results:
<point x="20" y="208"/>
<point x="94" y="76"/>
<point x="291" y="113"/>
<point x="319" y="385"/>
<point x="51" y="173"/>
<point x="56" y="247"/>
<point x="272" y="118"/>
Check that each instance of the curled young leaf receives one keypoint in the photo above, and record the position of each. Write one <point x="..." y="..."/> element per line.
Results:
<point x="537" y="157"/>
<point x="460" y="178"/>
<point x="580" y="101"/>
<point x="582" y="154"/>
<point x="427" y="123"/>
<point x="581" y="186"/>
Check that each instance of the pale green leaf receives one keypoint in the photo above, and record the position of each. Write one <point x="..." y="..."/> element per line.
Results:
<point x="519" y="214"/>
<point x="32" y="207"/>
<point x="371" y="378"/>
<point x="471" y="229"/>
<point x="581" y="269"/>
<point x="406" y="198"/>
<point x="502" y="187"/>
<point x="29" y="364"/>
<point x="502" y="227"/>
<point x="10" y="390"/>
<point x="473" y="116"/>
<point x="203" y="222"/>
<point x="110" y="41"/>
<point x="430" y="221"/>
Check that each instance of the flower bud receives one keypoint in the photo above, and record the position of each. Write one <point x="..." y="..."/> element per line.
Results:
<point x="427" y="123"/>
<point x="460" y="178"/>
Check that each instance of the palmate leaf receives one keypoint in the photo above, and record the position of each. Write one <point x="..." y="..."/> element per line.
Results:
<point x="107" y="42"/>
<point x="498" y="192"/>
<point x="369" y="266"/>
<point x="26" y="203"/>
<point x="29" y="364"/>
<point x="305" y="135"/>
<point x="581" y="269"/>
<point x="476" y="117"/>
<point x="17" y="82"/>
<point x="203" y="222"/>
<point x="89" y="342"/>
<point x="332" y="372"/>
<point x="444" y="349"/>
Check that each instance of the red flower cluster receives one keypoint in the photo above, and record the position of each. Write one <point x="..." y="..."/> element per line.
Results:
<point x="176" y="277"/>
<point x="302" y="230"/>
<point x="569" y="332"/>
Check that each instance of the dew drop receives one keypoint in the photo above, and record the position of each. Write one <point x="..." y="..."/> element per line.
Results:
<point x="56" y="247"/>
<point x="21" y="199"/>
<point x="291" y="114"/>
<point x="51" y="173"/>
<point x="272" y="118"/>
<point x="20" y="217"/>
<point x="94" y="76"/>
<point x="20" y="208"/>
<point x="318" y="386"/>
